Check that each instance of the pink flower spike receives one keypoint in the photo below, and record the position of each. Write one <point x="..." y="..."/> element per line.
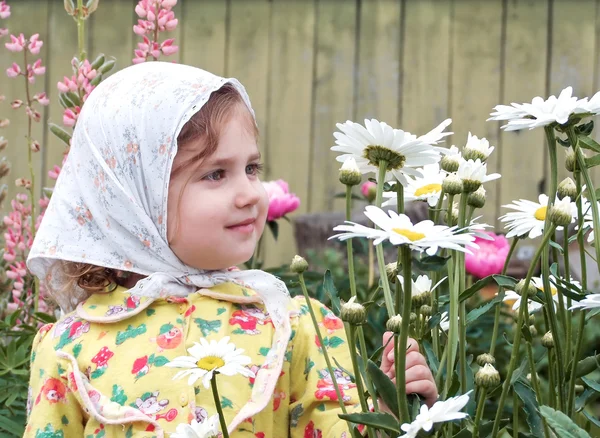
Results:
<point x="168" y="4"/>
<point x="35" y="44"/>
<point x="13" y="71"/>
<point x="42" y="99"/>
<point x="139" y="29"/>
<point x="37" y="68"/>
<point x="489" y="258"/>
<point x="138" y="60"/>
<point x="140" y="10"/>
<point x="53" y="174"/>
<point x="168" y="48"/>
<point x="16" y="44"/>
<point x="4" y="10"/>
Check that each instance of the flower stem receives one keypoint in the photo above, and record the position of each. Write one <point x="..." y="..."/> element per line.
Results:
<point x="551" y="380"/>
<point x="479" y="411"/>
<point x="403" y="337"/>
<point x="462" y="311"/>
<point x="349" y="243"/>
<point x="513" y="245"/>
<point x="365" y="357"/>
<point x="80" y="31"/>
<point x="213" y="384"/>
<point x="517" y="335"/>
<point x="535" y="383"/>
<point x="351" y="333"/>
<point x="387" y="293"/>
<point x="323" y="347"/>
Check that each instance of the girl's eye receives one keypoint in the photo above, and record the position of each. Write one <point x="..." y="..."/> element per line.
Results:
<point x="215" y="176"/>
<point x="254" y="169"/>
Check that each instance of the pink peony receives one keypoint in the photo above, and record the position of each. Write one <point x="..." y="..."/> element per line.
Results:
<point x="281" y="201"/>
<point x="489" y="258"/>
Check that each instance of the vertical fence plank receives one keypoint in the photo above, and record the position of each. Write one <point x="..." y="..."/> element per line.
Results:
<point x="424" y="92"/>
<point x="475" y="83"/>
<point x="522" y="152"/>
<point x="204" y="34"/>
<point x="378" y="61"/>
<point x="27" y="17"/>
<point x="596" y="85"/>
<point x="289" y="111"/>
<point x="572" y="63"/>
<point x="333" y="95"/>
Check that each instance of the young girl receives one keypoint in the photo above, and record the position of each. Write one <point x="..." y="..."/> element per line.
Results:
<point x="159" y="196"/>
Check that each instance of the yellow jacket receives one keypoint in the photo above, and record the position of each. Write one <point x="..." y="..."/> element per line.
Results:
<point x="99" y="371"/>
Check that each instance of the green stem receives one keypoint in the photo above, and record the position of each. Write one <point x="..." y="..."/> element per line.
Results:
<point x="517" y="335"/>
<point x="453" y="325"/>
<point x="403" y="338"/>
<point x="515" y="416"/>
<point x="535" y="383"/>
<point x="561" y="303"/>
<point x="449" y="214"/>
<point x="513" y="245"/>
<point x="440" y="371"/>
<point x="568" y="316"/>
<point x="351" y="333"/>
<point x="371" y="278"/>
<point x="365" y="357"/>
<point x="80" y="31"/>
<point x="387" y="293"/>
<point x="438" y="207"/>
<point x="551" y="380"/>
<point x="349" y="242"/>
<point x="213" y="384"/>
<point x="323" y="347"/>
<point x="462" y="312"/>
<point x="479" y="412"/>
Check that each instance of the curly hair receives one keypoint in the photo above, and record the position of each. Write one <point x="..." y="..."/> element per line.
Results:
<point x="77" y="281"/>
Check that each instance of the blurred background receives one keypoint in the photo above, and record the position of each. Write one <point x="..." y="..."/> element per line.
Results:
<point x="308" y="64"/>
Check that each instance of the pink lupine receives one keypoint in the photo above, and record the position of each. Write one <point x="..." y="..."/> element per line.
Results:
<point x="281" y="201"/>
<point x="53" y="174"/>
<point x="13" y="71"/>
<point x="70" y="116"/>
<point x="489" y="258"/>
<point x="67" y="85"/>
<point x="4" y="9"/>
<point x="17" y="44"/>
<point x="34" y="114"/>
<point x="42" y="99"/>
<point x="35" y="44"/>
<point x="168" y="48"/>
<point x="154" y="16"/>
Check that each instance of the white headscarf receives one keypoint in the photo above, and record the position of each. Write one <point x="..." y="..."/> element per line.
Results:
<point x="109" y="206"/>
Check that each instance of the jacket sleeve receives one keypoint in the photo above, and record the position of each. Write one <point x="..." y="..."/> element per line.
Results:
<point x="315" y="408"/>
<point x="52" y="408"/>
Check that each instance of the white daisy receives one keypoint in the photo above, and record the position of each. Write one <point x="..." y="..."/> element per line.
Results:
<point x="436" y="135"/>
<point x="444" y="322"/>
<point x="376" y="141"/>
<point x="528" y="218"/>
<point x="209" y="428"/>
<point x="451" y="158"/>
<point x="426" y="188"/>
<point x="591" y="105"/>
<point x="513" y="299"/>
<point x="591" y="301"/>
<point x="399" y="230"/>
<point x="588" y="219"/>
<point x="440" y="412"/>
<point x="208" y="358"/>
<point x="533" y="306"/>
<point x="539" y="112"/>
<point x="477" y="148"/>
<point x="475" y="171"/>
<point x="421" y="287"/>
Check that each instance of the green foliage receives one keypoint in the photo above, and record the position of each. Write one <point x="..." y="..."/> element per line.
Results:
<point x="562" y="425"/>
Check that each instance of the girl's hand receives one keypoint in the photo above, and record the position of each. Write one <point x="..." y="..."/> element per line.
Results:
<point x="419" y="379"/>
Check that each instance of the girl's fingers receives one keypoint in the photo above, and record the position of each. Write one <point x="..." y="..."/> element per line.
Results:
<point x="425" y="389"/>
<point x="414" y="358"/>
<point x="418" y="372"/>
<point x="388" y="351"/>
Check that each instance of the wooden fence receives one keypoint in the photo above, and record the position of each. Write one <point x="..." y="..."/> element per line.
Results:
<point x="308" y="64"/>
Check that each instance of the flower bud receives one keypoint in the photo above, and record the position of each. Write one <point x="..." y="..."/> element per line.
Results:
<point x="369" y="190"/>
<point x="548" y="340"/>
<point x="35" y="146"/>
<point x="477" y="198"/>
<point x="419" y="299"/>
<point x="299" y="265"/>
<point x="425" y="310"/>
<point x="413" y="317"/>
<point x="571" y="161"/>
<point x="353" y="313"/>
<point x="519" y="288"/>
<point x="450" y="163"/>
<point x="452" y="185"/>
<point x="350" y="173"/>
<point x="532" y="319"/>
<point x="485" y="358"/>
<point x="567" y="188"/>
<point x="16" y="103"/>
<point x="22" y="182"/>
<point x="394" y="324"/>
<point x="3" y="193"/>
<point x="487" y="376"/>
<point x="561" y="213"/>
<point x="533" y="330"/>
<point x="391" y="270"/>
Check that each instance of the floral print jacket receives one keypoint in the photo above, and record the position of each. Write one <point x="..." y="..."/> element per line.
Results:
<point x="99" y="371"/>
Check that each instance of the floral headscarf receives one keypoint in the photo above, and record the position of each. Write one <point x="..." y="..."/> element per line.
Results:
<point x="109" y="207"/>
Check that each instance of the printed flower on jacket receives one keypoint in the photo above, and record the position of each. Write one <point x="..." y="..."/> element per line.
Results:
<point x="101" y="359"/>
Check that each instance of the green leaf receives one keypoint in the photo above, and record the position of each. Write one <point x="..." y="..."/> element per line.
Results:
<point x="501" y="280"/>
<point x="591" y="384"/>
<point x="374" y="419"/>
<point x="431" y="263"/>
<point x="592" y="161"/>
<point x="555" y="245"/>
<point x="11" y="426"/>
<point x="562" y="425"/>
<point x="74" y="97"/>
<point x="530" y="405"/>
<point x="593" y="419"/>
<point x="476" y="313"/>
<point x="587" y="365"/>
<point x="97" y="79"/>
<point x="332" y="293"/>
<point x="44" y="317"/>
<point x="160" y="361"/>
<point x="432" y="359"/>
<point x="589" y="143"/>
<point x="583" y="398"/>
<point x="274" y="227"/>
<point x="518" y="372"/>
<point x="384" y="386"/>
<point x="108" y="66"/>
<point x="98" y="61"/>
<point x="60" y="133"/>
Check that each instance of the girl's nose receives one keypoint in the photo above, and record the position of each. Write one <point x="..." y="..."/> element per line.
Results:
<point x="248" y="193"/>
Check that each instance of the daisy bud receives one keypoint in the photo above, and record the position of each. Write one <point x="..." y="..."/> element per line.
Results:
<point x="567" y="188"/>
<point x="477" y="198"/>
<point x="452" y="185"/>
<point x="350" y="173"/>
<point x="485" y="358"/>
<point x="35" y="146"/>
<point x="450" y="163"/>
<point x="413" y="317"/>
<point x="477" y="149"/>
<point x="570" y="161"/>
<point x="425" y="310"/>
<point x="391" y="270"/>
<point x="299" y="265"/>
<point x="561" y="213"/>
<point x="394" y="324"/>
<point x="423" y="298"/>
<point x="548" y="340"/>
<point x="533" y="330"/>
<point x="532" y="319"/>
<point x="487" y="377"/>
<point x="353" y="313"/>
<point x="519" y="288"/>
<point x="3" y="143"/>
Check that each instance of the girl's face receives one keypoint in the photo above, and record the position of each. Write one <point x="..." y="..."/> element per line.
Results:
<point x="215" y="221"/>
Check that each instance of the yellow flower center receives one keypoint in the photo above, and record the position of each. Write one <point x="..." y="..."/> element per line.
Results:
<point x="429" y="188"/>
<point x="510" y="303"/>
<point x="209" y="363"/>
<point x="540" y="213"/>
<point x="553" y="290"/>
<point x="410" y="235"/>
